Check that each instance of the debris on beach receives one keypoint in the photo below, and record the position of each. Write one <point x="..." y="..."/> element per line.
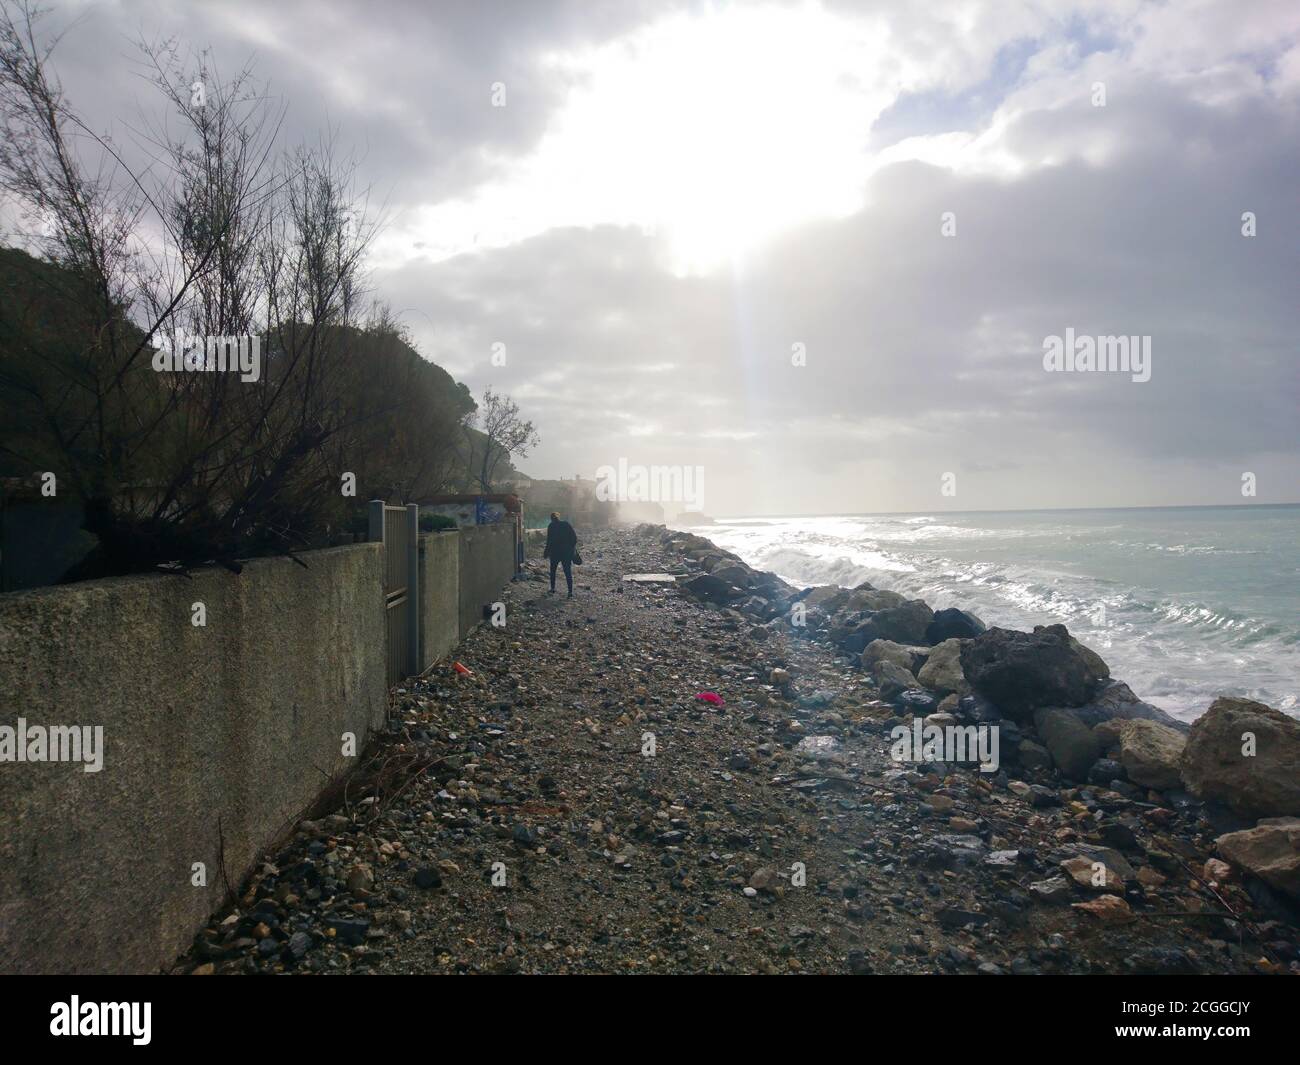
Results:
<point x="570" y="807"/>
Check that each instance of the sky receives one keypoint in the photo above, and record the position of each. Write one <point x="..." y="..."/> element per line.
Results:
<point x="816" y="250"/>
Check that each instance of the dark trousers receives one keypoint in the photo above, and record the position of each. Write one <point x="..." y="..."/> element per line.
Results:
<point x="568" y="572"/>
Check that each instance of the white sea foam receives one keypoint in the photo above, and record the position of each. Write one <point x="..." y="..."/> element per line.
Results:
<point x="1184" y="606"/>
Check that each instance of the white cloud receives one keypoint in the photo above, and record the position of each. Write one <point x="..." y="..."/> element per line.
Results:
<point x="674" y="194"/>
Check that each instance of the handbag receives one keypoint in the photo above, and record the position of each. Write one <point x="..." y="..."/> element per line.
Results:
<point x="577" y="557"/>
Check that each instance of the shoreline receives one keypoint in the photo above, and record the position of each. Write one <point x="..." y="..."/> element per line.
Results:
<point x="729" y="518"/>
<point x="573" y="807"/>
<point x="1184" y="615"/>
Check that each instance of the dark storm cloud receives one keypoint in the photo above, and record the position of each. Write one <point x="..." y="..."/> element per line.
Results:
<point x="407" y="82"/>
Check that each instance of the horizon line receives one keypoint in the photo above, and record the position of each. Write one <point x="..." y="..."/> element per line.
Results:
<point x="1010" y="510"/>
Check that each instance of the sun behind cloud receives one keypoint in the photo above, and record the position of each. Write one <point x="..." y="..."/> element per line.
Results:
<point x="715" y="132"/>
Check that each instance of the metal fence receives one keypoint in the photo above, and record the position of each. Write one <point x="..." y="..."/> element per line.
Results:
<point x="398" y="529"/>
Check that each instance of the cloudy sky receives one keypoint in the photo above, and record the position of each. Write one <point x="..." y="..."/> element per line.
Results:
<point x="816" y="248"/>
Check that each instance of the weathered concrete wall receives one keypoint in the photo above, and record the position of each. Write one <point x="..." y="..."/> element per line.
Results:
<point x="487" y="562"/>
<point x="439" y="595"/>
<point x="214" y="739"/>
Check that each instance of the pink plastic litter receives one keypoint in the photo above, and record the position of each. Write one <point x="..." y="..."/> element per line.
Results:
<point x="711" y="697"/>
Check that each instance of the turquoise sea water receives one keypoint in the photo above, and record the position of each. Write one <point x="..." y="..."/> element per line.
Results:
<point x="1184" y="603"/>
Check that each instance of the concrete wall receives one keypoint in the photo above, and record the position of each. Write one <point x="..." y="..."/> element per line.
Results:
<point x="215" y="738"/>
<point x="439" y="595"/>
<point x="487" y="562"/>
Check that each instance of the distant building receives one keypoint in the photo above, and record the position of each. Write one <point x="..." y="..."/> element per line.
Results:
<point x="473" y="509"/>
<point x="676" y="515"/>
<point x="575" y="499"/>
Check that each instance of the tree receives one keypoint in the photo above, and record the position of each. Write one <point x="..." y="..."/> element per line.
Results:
<point x="223" y="234"/>
<point x="410" y="414"/>
<point x="504" y="433"/>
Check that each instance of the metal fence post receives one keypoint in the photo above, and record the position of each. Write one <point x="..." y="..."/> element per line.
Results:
<point x="413" y="584"/>
<point x="376" y="508"/>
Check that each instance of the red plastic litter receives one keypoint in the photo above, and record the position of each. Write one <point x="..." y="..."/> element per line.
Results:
<point x="461" y="669"/>
<point x="711" y="697"/>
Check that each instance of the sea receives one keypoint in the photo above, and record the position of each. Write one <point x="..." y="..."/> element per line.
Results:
<point x="1184" y="603"/>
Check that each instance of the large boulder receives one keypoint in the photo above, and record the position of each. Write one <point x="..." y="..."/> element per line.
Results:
<point x="1115" y="701"/>
<point x="736" y="574"/>
<point x="910" y="658"/>
<point x="689" y="544"/>
<point x="1246" y="755"/>
<point x="1072" y="745"/>
<point x="852" y="639"/>
<point x="942" y="670"/>
<point x="1270" y="851"/>
<point x="1107" y="733"/>
<point x="977" y="710"/>
<point x="770" y="585"/>
<point x="953" y="624"/>
<point x="811" y="619"/>
<point x="1033" y="755"/>
<point x="892" y="679"/>
<point x="1021" y="671"/>
<point x="1096" y="664"/>
<point x="758" y="607"/>
<point x="829" y="597"/>
<point x="861" y="599"/>
<point x="711" y="589"/>
<point x="902" y="624"/>
<point x="1151" y="753"/>
<point x="916" y="701"/>
<point x="841" y="634"/>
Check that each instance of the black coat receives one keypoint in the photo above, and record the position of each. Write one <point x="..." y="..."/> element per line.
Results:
<point x="561" y="541"/>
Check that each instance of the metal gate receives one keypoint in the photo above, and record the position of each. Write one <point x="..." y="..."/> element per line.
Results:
<point x="398" y="529"/>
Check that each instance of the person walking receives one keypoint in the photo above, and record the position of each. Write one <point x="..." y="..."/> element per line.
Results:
<point x="561" y="546"/>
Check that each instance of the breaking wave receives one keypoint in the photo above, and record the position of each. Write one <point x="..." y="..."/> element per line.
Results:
<point x="1182" y="618"/>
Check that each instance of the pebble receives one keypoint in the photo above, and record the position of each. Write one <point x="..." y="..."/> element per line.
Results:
<point x="586" y="855"/>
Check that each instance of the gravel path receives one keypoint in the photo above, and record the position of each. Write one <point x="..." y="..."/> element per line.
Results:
<point x="542" y="837"/>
